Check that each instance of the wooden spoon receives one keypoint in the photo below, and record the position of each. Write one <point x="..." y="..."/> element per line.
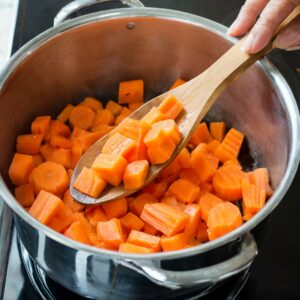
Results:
<point x="197" y="96"/>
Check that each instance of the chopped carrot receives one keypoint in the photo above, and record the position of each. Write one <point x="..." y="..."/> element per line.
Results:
<point x="254" y="198"/>
<point x="164" y="218"/>
<point x="74" y="205"/>
<point x="172" y="168"/>
<point x="137" y="205"/>
<point x="150" y="229"/>
<point x="135" y="174"/>
<point x="223" y="218"/>
<point x="58" y="128"/>
<point x="213" y="145"/>
<point x="62" y="220"/>
<point x="183" y="158"/>
<point x="111" y="232"/>
<point x="65" y="114"/>
<point x="171" y="107"/>
<point x="170" y="129"/>
<point x="70" y="173"/>
<point x="37" y="159"/>
<point x="154" y="115"/>
<point x="217" y="130"/>
<point x="162" y="153"/>
<point x="185" y="190"/>
<point x="29" y="143"/>
<point x="132" y="222"/>
<point x="110" y="167"/>
<point x="131" y="91"/>
<point x="116" y="208"/>
<point x="234" y="162"/>
<point x="230" y="146"/>
<point x="80" y="217"/>
<point x="87" y="140"/>
<point x="78" y="232"/>
<point x="177" y="83"/>
<point x="25" y="195"/>
<point x="207" y="202"/>
<point x="202" y="235"/>
<point x="227" y="182"/>
<point x="144" y="239"/>
<point x="114" y="107"/>
<point x="191" y="175"/>
<point x="154" y="138"/>
<point x="82" y="117"/>
<point x="124" y="114"/>
<point x="119" y="144"/>
<point x="60" y="141"/>
<point x="172" y="243"/>
<point x="192" y="243"/>
<point x="133" y="129"/>
<point x="45" y="207"/>
<point x="92" y="103"/>
<point x="131" y="248"/>
<point x="78" y="132"/>
<point x="51" y="177"/>
<point x="139" y="152"/>
<point x="77" y="151"/>
<point x="260" y="177"/>
<point x="194" y="213"/>
<point x="40" y="125"/>
<point x="171" y="201"/>
<point x="135" y="105"/>
<point x="103" y="117"/>
<point x="205" y="188"/>
<point x="157" y="189"/>
<point x="61" y="156"/>
<point x="95" y="214"/>
<point x="20" y="168"/>
<point x="201" y="135"/>
<point x="89" y="183"/>
<point x="46" y="150"/>
<point x="103" y="129"/>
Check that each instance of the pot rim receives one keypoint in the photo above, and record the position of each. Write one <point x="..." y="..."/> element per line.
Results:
<point x="280" y="85"/>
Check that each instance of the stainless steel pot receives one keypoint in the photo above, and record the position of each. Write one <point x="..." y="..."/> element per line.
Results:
<point x="89" y="55"/>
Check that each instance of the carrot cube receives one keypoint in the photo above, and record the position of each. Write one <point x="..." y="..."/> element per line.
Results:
<point x="217" y="130"/>
<point x="115" y="209"/>
<point x="135" y="174"/>
<point x="205" y="187"/>
<point x="92" y="103"/>
<point x="202" y="235"/>
<point x="60" y="141"/>
<point x="88" y="139"/>
<point x="254" y="198"/>
<point x="110" y="167"/>
<point x="111" y="232"/>
<point x="40" y="125"/>
<point x="150" y="229"/>
<point x="144" y="239"/>
<point x="164" y="218"/>
<point x="133" y="129"/>
<point x="20" y="168"/>
<point x="82" y="117"/>
<point x="154" y="138"/>
<point x="29" y="143"/>
<point x="194" y="213"/>
<point x="213" y="145"/>
<point x="45" y="207"/>
<point x="201" y="135"/>
<point x="191" y="175"/>
<point x="114" y="107"/>
<point x="135" y="105"/>
<point x="62" y="220"/>
<point x="76" y="151"/>
<point x="172" y="168"/>
<point x="131" y="248"/>
<point x="157" y="189"/>
<point x="131" y="91"/>
<point x="162" y="153"/>
<point x="260" y="177"/>
<point x="65" y="114"/>
<point x="104" y="117"/>
<point x="171" y="201"/>
<point x="183" y="158"/>
<point x="89" y="182"/>
<point x="172" y="243"/>
<point x="37" y="159"/>
<point x="124" y="114"/>
<point x="184" y="190"/>
<point x="170" y="129"/>
<point x="171" y="107"/>
<point x="95" y="214"/>
<point x="132" y="222"/>
<point x="61" y="156"/>
<point x="137" y="205"/>
<point x="177" y="83"/>
<point x="78" y="232"/>
<point x="153" y="116"/>
<point x="25" y="195"/>
<point x="207" y="202"/>
<point x="57" y="128"/>
<point x="74" y="205"/>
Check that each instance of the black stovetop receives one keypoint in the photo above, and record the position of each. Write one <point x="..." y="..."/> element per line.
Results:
<point x="276" y="270"/>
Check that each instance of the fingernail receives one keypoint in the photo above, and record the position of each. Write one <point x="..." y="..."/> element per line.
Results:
<point x="287" y="40"/>
<point x="231" y="28"/>
<point x="293" y="48"/>
<point x="247" y="45"/>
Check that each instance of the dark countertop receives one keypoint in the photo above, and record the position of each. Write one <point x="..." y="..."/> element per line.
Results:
<point x="276" y="270"/>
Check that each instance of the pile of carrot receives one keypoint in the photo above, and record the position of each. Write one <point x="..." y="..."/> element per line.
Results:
<point x="202" y="195"/>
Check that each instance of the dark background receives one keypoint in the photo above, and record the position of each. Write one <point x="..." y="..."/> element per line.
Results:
<point x="276" y="270"/>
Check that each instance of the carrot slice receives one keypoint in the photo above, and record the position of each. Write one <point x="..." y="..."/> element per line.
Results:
<point x="131" y="248"/>
<point x="194" y="213"/>
<point x="227" y="182"/>
<point x="154" y="115"/>
<point x="110" y="167"/>
<point x="131" y="91"/>
<point x="89" y="183"/>
<point x="254" y="198"/>
<point x="177" y="83"/>
<point x="77" y="151"/>
<point x="230" y="146"/>
<point x="222" y="219"/>
<point x="171" y="107"/>
<point x="58" y="128"/>
<point x="40" y="125"/>
<point x="172" y="243"/>
<point x="137" y="205"/>
<point x="65" y="113"/>
<point x="74" y="205"/>
<point x="169" y="128"/>
<point x="20" y="168"/>
<point x="213" y="145"/>
<point x="45" y="207"/>
<point x="162" y="153"/>
<point x="217" y="130"/>
<point x="62" y="220"/>
<point x="78" y="232"/>
<point x="124" y="114"/>
<point x="103" y="117"/>
<point x="95" y="214"/>
<point x="25" y="195"/>
<point x="135" y="105"/>
<point x="82" y="117"/>
<point x="164" y="218"/>
<point x="92" y="103"/>
<point x="115" y="209"/>
<point x="201" y="135"/>
<point x="207" y="202"/>
<point x="202" y="235"/>
<point x="51" y="177"/>
<point x="60" y="141"/>
<point x="144" y="239"/>
<point x="184" y="190"/>
<point x="132" y="222"/>
<point x="61" y="156"/>
<point x="157" y="189"/>
<point x="260" y="177"/>
<point x="135" y="174"/>
<point x="29" y="143"/>
<point x="114" y="107"/>
<point x="111" y="232"/>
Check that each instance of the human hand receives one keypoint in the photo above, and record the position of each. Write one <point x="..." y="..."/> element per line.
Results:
<point x="271" y="14"/>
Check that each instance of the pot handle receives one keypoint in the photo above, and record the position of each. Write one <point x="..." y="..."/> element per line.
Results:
<point x="203" y="276"/>
<point x="76" y="5"/>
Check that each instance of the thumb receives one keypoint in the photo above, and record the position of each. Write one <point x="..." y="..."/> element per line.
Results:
<point x="289" y="39"/>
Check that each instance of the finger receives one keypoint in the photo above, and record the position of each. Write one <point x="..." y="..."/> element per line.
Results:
<point x="247" y="17"/>
<point x="272" y="16"/>
<point x="289" y="38"/>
